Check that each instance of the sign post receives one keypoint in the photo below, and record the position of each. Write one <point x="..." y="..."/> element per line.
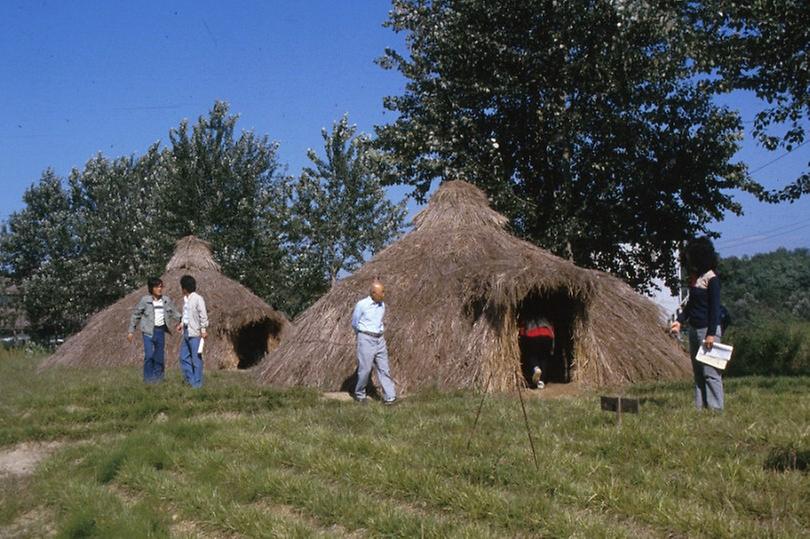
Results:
<point x="619" y="405"/>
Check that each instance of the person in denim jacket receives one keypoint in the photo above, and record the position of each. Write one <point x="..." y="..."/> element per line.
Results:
<point x="153" y="311"/>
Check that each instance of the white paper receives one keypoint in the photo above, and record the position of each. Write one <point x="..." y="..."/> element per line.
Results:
<point x="200" y="348"/>
<point x="718" y="357"/>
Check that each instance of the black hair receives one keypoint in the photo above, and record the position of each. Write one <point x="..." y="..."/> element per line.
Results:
<point x="701" y="256"/>
<point x="188" y="283"/>
<point x="152" y="282"/>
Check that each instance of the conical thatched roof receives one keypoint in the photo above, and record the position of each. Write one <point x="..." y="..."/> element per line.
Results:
<point x="242" y="326"/>
<point x="454" y="287"/>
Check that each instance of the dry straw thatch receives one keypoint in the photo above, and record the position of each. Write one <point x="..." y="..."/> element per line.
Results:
<point x="455" y="285"/>
<point x="242" y="326"/>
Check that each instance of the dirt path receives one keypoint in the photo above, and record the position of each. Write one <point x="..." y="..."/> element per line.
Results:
<point x="556" y="391"/>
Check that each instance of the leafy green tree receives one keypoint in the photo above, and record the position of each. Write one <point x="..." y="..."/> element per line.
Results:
<point x="82" y="243"/>
<point x="228" y="190"/>
<point x="761" y="46"/>
<point x="767" y="287"/>
<point x="118" y="237"/>
<point x="38" y="252"/>
<point x="584" y="121"/>
<point x="339" y="209"/>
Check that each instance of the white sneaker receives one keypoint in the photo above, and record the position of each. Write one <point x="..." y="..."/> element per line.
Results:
<point x="540" y="385"/>
<point x="536" y="377"/>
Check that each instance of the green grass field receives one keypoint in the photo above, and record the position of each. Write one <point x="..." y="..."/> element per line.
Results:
<point x="238" y="460"/>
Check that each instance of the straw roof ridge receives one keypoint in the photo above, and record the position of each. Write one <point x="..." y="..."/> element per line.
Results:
<point x="458" y="204"/>
<point x="191" y="253"/>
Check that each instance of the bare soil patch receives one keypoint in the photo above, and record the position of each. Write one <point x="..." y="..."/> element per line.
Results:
<point x="23" y="458"/>
<point x="34" y="523"/>
<point x="337" y="396"/>
<point x="557" y="391"/>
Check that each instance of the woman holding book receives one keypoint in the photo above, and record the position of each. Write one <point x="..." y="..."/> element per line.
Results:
<point x="702" y="312"/>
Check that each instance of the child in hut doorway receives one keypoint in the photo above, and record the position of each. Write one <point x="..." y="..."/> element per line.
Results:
<point x="194" y="326"/>
<point x="154" y="311"/>
<point x="536" y="335"/>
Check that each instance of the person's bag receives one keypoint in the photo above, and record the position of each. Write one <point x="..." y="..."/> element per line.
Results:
<point x="725" y="318"/>
<point x="718" y="357"/>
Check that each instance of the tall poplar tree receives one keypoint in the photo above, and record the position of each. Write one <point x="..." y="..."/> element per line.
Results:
<point x="340" y="213"/>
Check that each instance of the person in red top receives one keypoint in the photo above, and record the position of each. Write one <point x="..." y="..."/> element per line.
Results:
<point x="537" y="345"/>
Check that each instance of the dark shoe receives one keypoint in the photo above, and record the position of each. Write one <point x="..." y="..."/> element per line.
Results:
<point x="363" y="401"/>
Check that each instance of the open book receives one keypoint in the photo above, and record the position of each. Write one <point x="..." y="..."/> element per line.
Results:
<point x="718" y="357"/>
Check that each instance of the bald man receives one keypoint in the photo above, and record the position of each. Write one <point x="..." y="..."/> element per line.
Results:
<point x="367" y="321"/>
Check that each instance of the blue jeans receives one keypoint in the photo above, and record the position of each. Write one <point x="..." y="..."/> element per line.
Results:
<point x="372" y="352"/>
<point x="191" y="363"/>
<point x="153" y="360"/>
<point x="708" y="380"/>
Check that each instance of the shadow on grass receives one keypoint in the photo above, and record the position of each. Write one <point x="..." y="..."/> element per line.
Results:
<point x="783" y="459"/>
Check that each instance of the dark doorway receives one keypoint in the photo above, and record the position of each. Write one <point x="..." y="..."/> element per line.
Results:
<point x="561" y="310"/>
<point x="253" y="341"/>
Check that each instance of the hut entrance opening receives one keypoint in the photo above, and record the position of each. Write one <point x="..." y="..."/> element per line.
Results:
<point x="253" y="341"/>
<point x="539" y="315"/>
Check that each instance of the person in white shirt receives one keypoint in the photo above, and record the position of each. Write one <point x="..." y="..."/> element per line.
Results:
<point x="367" y="322"/>
<point x="153" y="311"/>
<point x="194" y="326"/>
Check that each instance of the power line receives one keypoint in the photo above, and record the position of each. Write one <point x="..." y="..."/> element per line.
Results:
<point x="789" y="225"/>
<point x="780" y="157"/>
<point x="758" y="238"/>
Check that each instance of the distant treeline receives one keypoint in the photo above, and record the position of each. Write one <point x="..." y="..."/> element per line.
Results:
<point x="768" y="296"/>
<point x="766" y="287"/>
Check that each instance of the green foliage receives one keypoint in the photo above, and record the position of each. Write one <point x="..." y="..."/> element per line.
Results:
<point x="768" y="296"/>
<point x="761" y="46"/>
<point x="770" y="348"/>
<point x="767" y="286"/>
<point x="582" y="120"/>
<point x="80" y="244"/>
<point x="37" y="247"/>
<point x="339" y="211"/>
<point x="228" y="190"/>
<point x="592" y="125"/>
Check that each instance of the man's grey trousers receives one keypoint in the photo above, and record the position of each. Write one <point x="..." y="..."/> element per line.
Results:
<point x="372" y="352"/>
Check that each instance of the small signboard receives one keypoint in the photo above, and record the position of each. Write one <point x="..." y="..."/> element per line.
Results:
<point x="619" y="404"/>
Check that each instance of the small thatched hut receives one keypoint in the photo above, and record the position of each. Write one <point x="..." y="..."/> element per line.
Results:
<point x="454" y="287"/>
<point x="242" y="326"/>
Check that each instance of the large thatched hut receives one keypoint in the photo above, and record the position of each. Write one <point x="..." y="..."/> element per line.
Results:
<point x="455" y="285"/>
<point x="242" y="326"/>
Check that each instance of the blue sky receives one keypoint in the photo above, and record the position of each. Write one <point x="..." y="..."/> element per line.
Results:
<point x="113" y="77"/>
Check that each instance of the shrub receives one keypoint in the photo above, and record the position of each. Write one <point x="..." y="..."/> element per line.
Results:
<point x="772" y="348"/>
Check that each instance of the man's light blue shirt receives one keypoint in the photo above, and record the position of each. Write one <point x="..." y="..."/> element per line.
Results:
<point x="368" y="316"/>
